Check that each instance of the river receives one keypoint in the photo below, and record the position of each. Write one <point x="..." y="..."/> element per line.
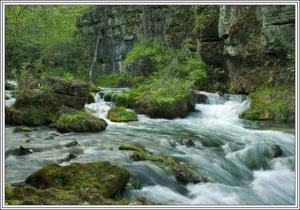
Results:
<point x="228" y="150"/>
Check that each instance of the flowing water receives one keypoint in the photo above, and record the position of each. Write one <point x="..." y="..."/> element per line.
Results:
<point x="228" y="150"/>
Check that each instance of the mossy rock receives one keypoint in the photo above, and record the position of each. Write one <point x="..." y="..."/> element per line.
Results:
<point x="121" y="114"/>
<point x="90" y="99"/>
<point x="66" y="87"/>
<point x="274" y="103"/>
<point x="94" y="88"/>
<point x="106" y="178"/>
<point x="133" y="147"/>
<point x="110" y="96"/>
<point x="23" y="128"/>
<point x="31" y="116"/>
<point x="183" y="172"/>
<point x="80" y="121"/>
<point x="166" y="99"/>
<point x="40" y="98"/>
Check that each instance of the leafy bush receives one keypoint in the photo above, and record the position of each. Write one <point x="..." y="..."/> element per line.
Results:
<point x="159" y="53"/>
<point x="19" y="54"/>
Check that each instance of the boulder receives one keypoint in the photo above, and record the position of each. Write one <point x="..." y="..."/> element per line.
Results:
<point x="132" y="147"/>
<point x="80" y="121"/>
<point x="72" y="88"/>
<point x="72" y="144"/>
<point x="23" y="128"/>
<point x="31" y="116"/>
<point x="121" y="114"/>
<point x="275" y="151"/>
<point x="107" y="179"/>
<point x="22" y="151"/>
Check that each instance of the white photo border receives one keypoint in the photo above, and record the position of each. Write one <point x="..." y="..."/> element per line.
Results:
<point x="146" y="2"/>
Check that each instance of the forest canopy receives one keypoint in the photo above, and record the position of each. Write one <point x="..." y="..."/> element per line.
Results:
<point x="35" y="36"/>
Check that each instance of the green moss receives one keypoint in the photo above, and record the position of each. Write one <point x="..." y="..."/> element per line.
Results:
<point x="132" y="147"/>
<point x="24" y="194"/>
<point x="23" y="128"/>
<point x="107" y="179"/>
<point x="121" y="114"/>
<point x="274" y="103"/>
<point x="80" y="121"/>
<point x="94" y="88"/>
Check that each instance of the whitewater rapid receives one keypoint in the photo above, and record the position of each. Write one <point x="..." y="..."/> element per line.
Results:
<point x="238" y="170"/>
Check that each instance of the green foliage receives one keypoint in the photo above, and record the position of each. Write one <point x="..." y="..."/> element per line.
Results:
<point x="276" y="103"/>
<point x="80" y="121"/>
<point x="40" y="37"/>
<point x="26" y="80"/>
<point x="206" y="18"/>
<point x="107" y="80"/>
<point x="158" y="52"/>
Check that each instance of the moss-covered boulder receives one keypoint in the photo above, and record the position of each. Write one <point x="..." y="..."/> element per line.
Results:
<point x="66" y="87"/>
<point x="30" y="115"/>
<point x="133" y="147"/>
<point x="80" y="121"/>
<point x="23" y="128"/>
<point x="108" y="179"/>
<point x="90" y="99"/>
<point x="183" y="172"/>
<point x="109" y="96"/>
<point x="166" y="98"/>
<point x="276" y="103"/>
<point x="121" y="114"/>
<point x="75" y="184"/>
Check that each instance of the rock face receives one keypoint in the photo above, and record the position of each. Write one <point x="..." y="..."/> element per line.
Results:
<point x="257" y="42"/>
<point x="120" y="27"/>
<point x="251" y="43"/>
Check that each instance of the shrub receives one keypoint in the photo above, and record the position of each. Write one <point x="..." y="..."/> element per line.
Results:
<point x="153" y="49"/>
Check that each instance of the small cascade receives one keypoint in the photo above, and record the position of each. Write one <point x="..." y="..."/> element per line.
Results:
<point x="101" y="107"/>
<point x="226" y="107"/>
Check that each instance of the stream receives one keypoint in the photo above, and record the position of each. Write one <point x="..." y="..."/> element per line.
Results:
<point x="228" y="150"/>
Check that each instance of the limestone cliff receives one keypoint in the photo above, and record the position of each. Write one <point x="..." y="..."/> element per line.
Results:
<point x="254" y="44"/>
<point x="258" y="45"/>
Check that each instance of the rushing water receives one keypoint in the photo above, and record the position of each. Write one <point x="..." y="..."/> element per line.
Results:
<point x="236" y="164"/>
